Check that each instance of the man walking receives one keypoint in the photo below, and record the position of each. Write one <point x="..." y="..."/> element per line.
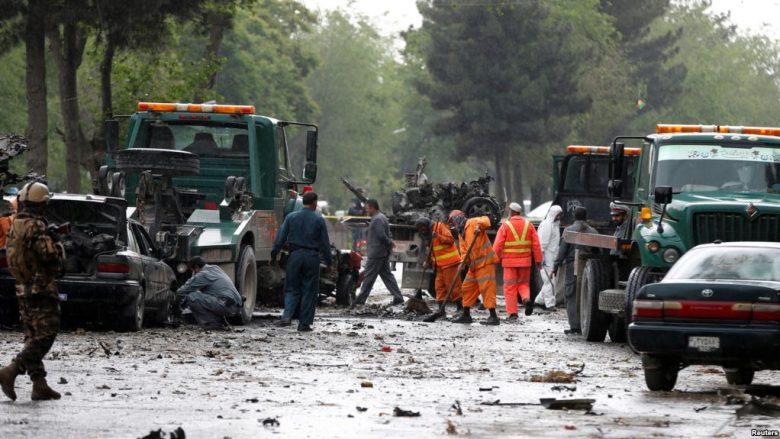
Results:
<point x="444" y="256"/>
<point x="306" y="236"/>
<point x="566" y="254"/>
<point x="34" y="260"/>
<point x="515" y="243"/>
<point x="549" y="238"/>
<point x="380" y="246"/>
<point x="481" y="262"/>
<point x="210" y="295"/>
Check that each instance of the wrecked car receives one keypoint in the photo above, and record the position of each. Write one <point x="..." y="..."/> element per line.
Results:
<point x="112" y="272"/>
<point x="719" y="305"/>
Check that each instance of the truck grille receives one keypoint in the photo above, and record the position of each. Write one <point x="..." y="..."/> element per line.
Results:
<point x="708" y="227"/>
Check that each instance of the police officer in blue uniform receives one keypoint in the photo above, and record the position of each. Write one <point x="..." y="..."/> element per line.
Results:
<point x="306" y="236"/>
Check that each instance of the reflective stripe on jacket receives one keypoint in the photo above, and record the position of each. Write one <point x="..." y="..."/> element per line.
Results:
<point x="445" y="253"/>
<point x="515" y="248"/>
<point x="482" y="253"/>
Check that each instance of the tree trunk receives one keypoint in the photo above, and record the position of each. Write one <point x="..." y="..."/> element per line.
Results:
<point x="517" y="175"/>
<point x="500" y="176"/>
<point x="37" y="116"/>
<point x="218" y="23"/>
<point x="68" y="47"/>
<point x="95" y="157"/>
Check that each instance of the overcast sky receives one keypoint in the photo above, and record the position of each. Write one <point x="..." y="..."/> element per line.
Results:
<point x="393" y="16"/>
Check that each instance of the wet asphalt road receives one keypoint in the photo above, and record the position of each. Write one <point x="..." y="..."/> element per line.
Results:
<point x="339" y="382"/>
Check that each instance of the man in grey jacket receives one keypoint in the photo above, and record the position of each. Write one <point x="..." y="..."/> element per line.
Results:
<point x="210" y="295"/>
<point x="380" y="246"/>
<point x="566" y="254"/>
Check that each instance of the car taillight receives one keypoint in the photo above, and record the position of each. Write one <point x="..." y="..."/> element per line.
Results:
<point x="766" y="311"/>
<point x="652" y="309"/>
<point x="113" y="267"/>
<point x="699" y="309"/>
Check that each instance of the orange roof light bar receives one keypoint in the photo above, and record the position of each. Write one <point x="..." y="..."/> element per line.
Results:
<point x="600" y="150"/>
<point x="724" y="129"/>
<point x="196" y="108"/>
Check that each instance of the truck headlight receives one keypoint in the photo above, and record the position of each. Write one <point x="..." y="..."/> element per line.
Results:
<point x="653" y="246"/>
<point x="671" y="255"/>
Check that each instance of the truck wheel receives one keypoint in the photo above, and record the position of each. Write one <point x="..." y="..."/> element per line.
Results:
<point x="132" y="318"/>
<point x="159" y="161"/>
<point x="617" y="330"/>
<point x="739" y="377"/>
<point x="596" y="278"/>
<point x="639" y="277"/>
<point x="345" y="289"/>
<point x="480" y="206"/>
<point x="246" y="284"/>
<point x="660" y="373"/>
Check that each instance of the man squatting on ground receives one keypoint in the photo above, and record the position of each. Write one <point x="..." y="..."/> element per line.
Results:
<point x="481" y="263"/>
<point x="306" y="236"/>
<point x="380" y="247"/>
<point x="515" y="242"/>
<point x="444" y="256"/>
<point x="210" y="295"/>
<point x="34" y="260"/>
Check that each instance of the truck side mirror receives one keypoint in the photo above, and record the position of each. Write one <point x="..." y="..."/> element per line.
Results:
<point x="615" y="188"/>
<point x="310" y="172"/>
<point x="616" y="160"/>
<point x="311" y="146"/>
<point x="111" y="128"/>
<point x="663" y="194"/>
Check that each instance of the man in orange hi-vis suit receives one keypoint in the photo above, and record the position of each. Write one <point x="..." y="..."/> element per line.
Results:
<point x="481" y="263"/>
<point x="515" y="241"/>
<point x="444" y="256"/>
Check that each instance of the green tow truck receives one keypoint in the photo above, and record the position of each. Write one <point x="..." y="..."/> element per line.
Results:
<point x="693" y="184"/>
<point x="214" y="181"/>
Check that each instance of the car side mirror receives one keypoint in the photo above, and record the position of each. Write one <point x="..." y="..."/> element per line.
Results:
<point x="663" y="194"/>
<point x="616" y="152"/>
<point x="111" y="129"/>
<point x="615" y="188"/>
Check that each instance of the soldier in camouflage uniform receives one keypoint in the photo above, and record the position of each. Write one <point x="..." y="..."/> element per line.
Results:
<point x="35" y="260"/>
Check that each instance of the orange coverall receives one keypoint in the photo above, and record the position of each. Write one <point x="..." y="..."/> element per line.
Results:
<point x="446" y="257"/>
<point x="5" y="225"/>
<point x="515" y="240"/>
<point x="481" y="277"/>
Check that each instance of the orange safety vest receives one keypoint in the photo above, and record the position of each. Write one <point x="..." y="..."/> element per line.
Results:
<point x="515" y="248"/>
<point x="445" y="253"/>
<point x="482" y="253"/>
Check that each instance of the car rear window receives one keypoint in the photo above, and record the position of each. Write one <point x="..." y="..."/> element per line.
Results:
<point x="729" y="263"/>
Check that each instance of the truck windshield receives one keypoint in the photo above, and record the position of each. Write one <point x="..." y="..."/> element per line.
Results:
<point x="709" y="168"/>
<point x="205" y="139"/>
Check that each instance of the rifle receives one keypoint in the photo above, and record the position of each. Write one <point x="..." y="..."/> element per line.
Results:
<point x="354" y="190"/>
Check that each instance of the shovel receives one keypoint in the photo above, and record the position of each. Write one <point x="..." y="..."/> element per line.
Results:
<point x="440" y="312"/>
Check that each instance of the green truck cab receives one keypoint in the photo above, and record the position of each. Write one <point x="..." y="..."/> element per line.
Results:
<point x="214" y="181"/>
<point x="694" y="184"/>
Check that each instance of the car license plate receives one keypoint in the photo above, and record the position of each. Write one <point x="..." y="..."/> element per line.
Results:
<point x="63" y="297"/>
<point x="704" y="344"/>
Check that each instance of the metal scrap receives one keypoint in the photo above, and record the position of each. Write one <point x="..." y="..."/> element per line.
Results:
<point x="567" y="404"/>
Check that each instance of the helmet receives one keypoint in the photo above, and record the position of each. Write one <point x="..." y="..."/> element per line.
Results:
<point x="34" y="193"/>
<point x="617" y="209"/>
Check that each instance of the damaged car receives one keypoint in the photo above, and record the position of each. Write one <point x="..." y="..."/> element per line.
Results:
<point x="112" y="273"/>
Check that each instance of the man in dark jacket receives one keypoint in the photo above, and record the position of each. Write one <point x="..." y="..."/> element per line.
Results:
<point x="210" y="295"/>
<point x="306" y="236"/>
<point x="380" y="246"/>
<point x="566" y="254"/>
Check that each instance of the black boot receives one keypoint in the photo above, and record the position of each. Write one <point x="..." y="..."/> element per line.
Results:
<point x="529" y="307"/>
<point x="493" y="319"/>
<point x="465" y="316"/>
<point x="459" y="305"/>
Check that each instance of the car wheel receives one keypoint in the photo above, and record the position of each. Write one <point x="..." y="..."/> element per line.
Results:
<point x="166" y="315"/>
<point x="345" y="290"/>
<point x="660" y="373"/>
<point x="739" y="377"/>
<point x="159" y="161"/>
<point x="132" y="318"/>
<point x="596" y="277"/>
<point x="617" y="330"/>
<point x="246" y="284"/>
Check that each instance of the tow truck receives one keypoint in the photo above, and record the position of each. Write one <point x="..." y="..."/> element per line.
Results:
<point x="692" y="184"/>
<point x="216" y="181"/>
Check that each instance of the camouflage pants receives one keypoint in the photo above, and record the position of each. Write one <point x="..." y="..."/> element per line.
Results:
<point x="41" y="321"/>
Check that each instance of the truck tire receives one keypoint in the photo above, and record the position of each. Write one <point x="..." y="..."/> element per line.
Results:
<point x="660" y="373"/>
<point x="596" y="277"/>
<point x="159" y="161"/>
<point x="345" y="289"/>
<point x="481" y="206"/>
<point x="639" y="277"/>
<point x="132" y="316"/>
<point x="246" y="284"/>
<point x="740" y="376"/>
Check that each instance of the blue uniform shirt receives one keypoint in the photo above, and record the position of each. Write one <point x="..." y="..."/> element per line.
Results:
<point x="304" y="229"/>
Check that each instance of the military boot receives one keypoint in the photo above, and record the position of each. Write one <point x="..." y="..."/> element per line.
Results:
<point x="465" y="317"/>
<point x="42" y="392"/>
<point x="8" y="376"/>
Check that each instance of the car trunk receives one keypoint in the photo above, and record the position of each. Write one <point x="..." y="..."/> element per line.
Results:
<point x="95" y="228"/>
<point x="747" y="302"/>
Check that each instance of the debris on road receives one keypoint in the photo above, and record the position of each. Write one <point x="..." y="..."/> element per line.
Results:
<point x="417" y="306"/>
<point x="62" y="381"/>
<point x="562" y="388"/>
<point x="361" y="409"/>
<point x="401" y="413"/>
<point x="387" y="349"/>
<point x="270" y="422"/>
<point x="367" y="384"/>
<point x="759" y="407"/>
<point x="554" y="376"/>
<point x="159" y="434"/>
<point x="451" y="430"/>
<point x="222" y="344"/>
<point x="508" y="404"/>
<point x="567" y="404"/>
<point x="457" y="408"/>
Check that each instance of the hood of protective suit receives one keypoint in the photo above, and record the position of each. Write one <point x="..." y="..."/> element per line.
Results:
<point x="554" y="211"/>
